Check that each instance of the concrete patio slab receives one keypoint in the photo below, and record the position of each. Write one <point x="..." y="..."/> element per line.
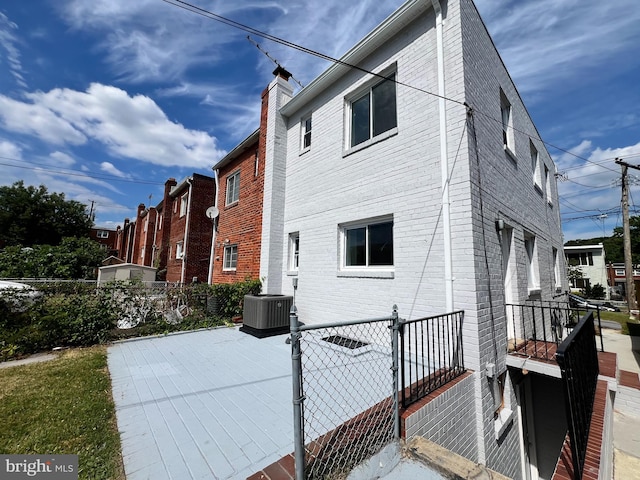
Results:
<point x="206" y="404"/>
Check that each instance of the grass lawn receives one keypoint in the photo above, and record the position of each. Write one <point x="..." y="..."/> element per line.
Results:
<point x="63" y="406"/>
<point x="621" y="317"/>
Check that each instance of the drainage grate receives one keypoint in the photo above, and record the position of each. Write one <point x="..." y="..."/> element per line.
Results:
<point x="345" y="342"/>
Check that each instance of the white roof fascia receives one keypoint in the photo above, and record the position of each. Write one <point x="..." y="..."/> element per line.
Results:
<point x="241" y="147"/>
<point x="406" y="14"/>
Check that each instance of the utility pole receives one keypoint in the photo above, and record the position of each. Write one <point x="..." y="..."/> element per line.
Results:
<point x="628" y="264"/>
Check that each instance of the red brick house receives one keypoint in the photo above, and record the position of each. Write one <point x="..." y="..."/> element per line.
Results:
<point x="104" y="236"/>
<point x="239" y="227"/>
<point x="144" y="235"/>
<point x="186" y="230"/>
<point x="125" y="240"/>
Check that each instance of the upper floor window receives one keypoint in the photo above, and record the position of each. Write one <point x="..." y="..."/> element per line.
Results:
<point x="102" y="234"/>
<point x="184" y="202"/>
<point x="535" y="165"/>
<point x="368" y="244"/>
<point x="233" y="188"/>
<point x="256" y="164"/>
<point x="294" y="251"/>
<point x="556" y="269"/>
<point x="230" y="260"/>
<point x="533" y="279"/>
<point x="179" y="250"/>
<point x="306" y="132"/>
<point x="583" y="258"/>
<point x="547" y="184"/>
<point x="374" y="112"/>
<point x="507" y="123"/>
<point x="146" y="223"/>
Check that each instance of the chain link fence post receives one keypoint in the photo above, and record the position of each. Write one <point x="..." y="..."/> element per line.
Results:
<point x="298" y="398"/>
<point x="395" y="331"/>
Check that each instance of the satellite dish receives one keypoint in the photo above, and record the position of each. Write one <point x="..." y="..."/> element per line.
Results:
<point x="212" y="212"/>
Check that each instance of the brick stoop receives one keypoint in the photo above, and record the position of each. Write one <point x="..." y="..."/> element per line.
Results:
<point x="564" y="467"/>
<point x="283" y="469"/>
<point x="629" y="379"/>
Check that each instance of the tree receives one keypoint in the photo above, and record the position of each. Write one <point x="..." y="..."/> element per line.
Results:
<point x="74" y="258"/>
<point x="634" y="226"/>
<point x="33" y="216"/>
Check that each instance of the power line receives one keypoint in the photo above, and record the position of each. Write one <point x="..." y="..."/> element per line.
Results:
<point x="232" y="23"/>
<point x="72" y="172"/>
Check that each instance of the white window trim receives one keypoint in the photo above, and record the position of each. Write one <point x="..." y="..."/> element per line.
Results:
<point x="556" y="269"/>
<point x="231" y="178"/>
<point x="294" y="253"/>
<point x="102" y="234"/>
<point x="184" y="200"/>
<point x="179" y="250"/>
<point x="531" y="252"/>
<point x="304" y="132"/>
<point x="508" y="140"/>
<point x="547" y="185"/>
<point x="535" y="167"/>
<point x="228" y="250"/>
<point x="358" y="94"/>
<point x="375" y="271"/>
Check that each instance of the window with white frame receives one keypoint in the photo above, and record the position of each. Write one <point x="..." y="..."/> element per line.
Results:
<point x="184" y="202"/>
<point x="306" y="132"/>
<point x="233" y="188"/>
<point x="533" y="278"/>
<point x="547" y="184"/>
<point x="556" y="270"/>
<point x="179" y="250"/>
<point x="368" y="244"/>
<point x="146" y="223"/>
<point x="374" y="111"/>
<point x="535" y="165"/>
<point x="507" y="122"/>
<point x="160" y="222"/>
<point x="102" y="234"/>
<point x="256" y="164"/>
<point x="230" y="260"/>
<point x="294" y="251"/>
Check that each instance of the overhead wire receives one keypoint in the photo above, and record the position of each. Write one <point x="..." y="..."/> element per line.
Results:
<point x="235" y="24"/>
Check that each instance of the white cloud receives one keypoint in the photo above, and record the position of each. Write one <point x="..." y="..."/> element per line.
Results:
<point x="133" y="127"/>
<point x="112" y="170"/>
<point x="62" y="159"/>
<point x="10" y="151"/>
<point x="8" y="42"/>
<point x="592" y="188"/>
<point x="568" y="37"/>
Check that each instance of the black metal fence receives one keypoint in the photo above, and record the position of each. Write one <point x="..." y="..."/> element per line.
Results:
<point x="577" y="357"/>
<point x="431" y="354"/>
<point x="537" y="328"/>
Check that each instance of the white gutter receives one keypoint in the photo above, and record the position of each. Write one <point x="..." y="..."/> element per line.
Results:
<point x="186" y="232"/>
<point x="213" y="234"/>
<point x="444" y="163"/>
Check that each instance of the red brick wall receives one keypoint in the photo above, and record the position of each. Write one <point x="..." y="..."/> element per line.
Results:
<point x="241" y="223"/>
<point x="198" y="244"/>
<point x="144" y="235"/>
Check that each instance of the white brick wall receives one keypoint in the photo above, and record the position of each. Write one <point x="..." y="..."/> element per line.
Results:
<point x="400" y="176"/>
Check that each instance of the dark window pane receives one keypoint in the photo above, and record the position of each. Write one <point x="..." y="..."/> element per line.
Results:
<point x="381" y="244"/>
<point x="307" y="133"/>
<point x="356" y="247"/>
<point x="360" y="120"/>
<point x="384" y="106"/>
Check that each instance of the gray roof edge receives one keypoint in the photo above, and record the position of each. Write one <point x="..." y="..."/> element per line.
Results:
<point x="237" y="150"/>
<point x="365" y="47"/>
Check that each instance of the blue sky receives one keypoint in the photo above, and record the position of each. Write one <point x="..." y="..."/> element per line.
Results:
<point x="105" y="99"/>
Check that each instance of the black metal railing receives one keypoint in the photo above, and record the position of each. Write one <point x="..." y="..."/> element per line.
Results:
<point x="537" y="328"/>
<point x="577" y="357"/>
<point x="431" y="354"/>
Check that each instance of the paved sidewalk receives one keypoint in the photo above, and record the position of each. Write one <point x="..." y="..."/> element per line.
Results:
<point x="208" y="404"/>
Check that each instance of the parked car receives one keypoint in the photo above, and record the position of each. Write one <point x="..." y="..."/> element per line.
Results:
<point x="577" y="301"/>
<point x="18" y="295"/>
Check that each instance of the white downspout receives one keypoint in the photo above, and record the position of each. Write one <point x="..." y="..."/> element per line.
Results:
<point x="186" y="232"/>
<point x="444" y="163"/>
<point x="213" y="234"/>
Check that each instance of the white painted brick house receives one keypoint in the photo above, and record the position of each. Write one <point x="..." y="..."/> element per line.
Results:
<point x="418" y="179"/>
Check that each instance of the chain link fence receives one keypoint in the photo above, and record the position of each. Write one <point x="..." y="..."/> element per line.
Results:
<point x="347" y="406"/>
